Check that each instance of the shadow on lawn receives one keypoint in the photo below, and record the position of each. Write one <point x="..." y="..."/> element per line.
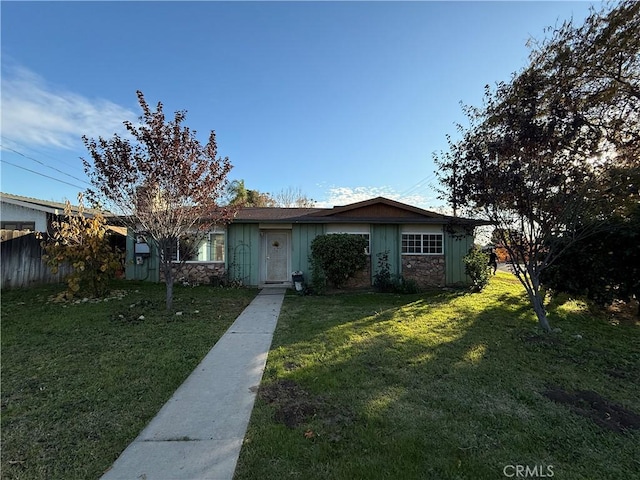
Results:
<point x="480" y="373"/>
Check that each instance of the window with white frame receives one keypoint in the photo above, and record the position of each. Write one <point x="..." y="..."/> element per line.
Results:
<point x="422" y="243"/>
<point x="209" y="248"/>
<point x="362" y="230"/>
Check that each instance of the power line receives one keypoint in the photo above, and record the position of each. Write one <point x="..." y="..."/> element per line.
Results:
<point x="39" y="152"/>
<point x="418" y="185"/>
<point x="43" y="164"/>
<point x="41" y="174"/>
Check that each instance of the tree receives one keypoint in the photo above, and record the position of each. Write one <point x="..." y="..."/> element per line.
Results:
<point x="241" y="196"/>
<point x="293" y="198"/>
<point x="83" y="243"/>
<point x="163" y="182"/>
<point x="605" y="267"/>
<point x="238" y="194"/>
<point x="532" y="155"/>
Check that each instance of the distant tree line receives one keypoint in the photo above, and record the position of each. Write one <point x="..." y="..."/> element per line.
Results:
<point x="238" y="194"/>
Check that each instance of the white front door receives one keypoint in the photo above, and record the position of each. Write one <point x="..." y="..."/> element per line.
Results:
<point x="276" y="256"/>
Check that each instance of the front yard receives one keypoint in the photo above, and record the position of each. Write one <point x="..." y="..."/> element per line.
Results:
<point x="80" y="381"/>
<point x="445" y="385"/>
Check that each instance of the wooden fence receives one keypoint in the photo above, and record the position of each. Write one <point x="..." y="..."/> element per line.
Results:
<point x="21" y="262"/>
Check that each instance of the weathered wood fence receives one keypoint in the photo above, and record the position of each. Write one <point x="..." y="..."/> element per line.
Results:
<point x="21" y="262"/>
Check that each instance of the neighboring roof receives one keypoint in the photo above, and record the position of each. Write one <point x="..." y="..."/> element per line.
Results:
<point x="375" y="210"/>
<point x="55" y="208"/>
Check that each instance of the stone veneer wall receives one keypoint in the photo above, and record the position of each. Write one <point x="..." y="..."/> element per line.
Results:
<point x="197" y="272"/>
<point x="426" y="270"/>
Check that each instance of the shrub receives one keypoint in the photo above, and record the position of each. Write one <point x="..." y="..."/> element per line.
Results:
<point x="476" y="266"/>
<point x="384" y="281"/>
<point x="338" y="256"/>
<point x="83" y="243"/>
<point x="318" y="278"/>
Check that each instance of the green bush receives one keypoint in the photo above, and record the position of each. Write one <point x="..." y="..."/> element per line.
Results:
<point x="318" y="282"/>
<point x="338" y="256"/>
<point x="476" y="266"/>
<point x="382" y="280"/>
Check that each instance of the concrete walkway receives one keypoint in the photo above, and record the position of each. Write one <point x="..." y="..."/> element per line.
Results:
<point x="198" y="433"/>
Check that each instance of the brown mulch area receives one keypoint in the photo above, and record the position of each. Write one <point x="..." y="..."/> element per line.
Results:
<point x="589" y="404"/>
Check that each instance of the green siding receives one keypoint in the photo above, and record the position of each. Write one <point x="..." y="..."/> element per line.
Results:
<point x="383" y="238"/>
<point x="301" y="237"/>
<point x="243" y="243"/>
<point x="456" y="246"/>
<point x="150" y="268"/>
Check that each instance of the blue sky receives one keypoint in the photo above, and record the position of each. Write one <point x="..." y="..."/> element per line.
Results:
<point x="342" y="100"/>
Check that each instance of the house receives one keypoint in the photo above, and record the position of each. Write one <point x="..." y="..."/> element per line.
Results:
<point x="22" y="220"/>
<point x="35" y="215"/>
<point x="265" y="245"/>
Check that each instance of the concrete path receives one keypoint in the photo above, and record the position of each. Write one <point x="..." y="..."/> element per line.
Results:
<point x="198" y="433"/>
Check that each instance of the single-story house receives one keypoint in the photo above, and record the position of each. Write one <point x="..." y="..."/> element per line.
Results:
<point x="36" y="215"/>
<point x="29" y="214"/>
<point x="265" y="245"/>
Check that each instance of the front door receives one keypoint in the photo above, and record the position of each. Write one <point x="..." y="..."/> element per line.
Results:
<point x="277" y="256"/>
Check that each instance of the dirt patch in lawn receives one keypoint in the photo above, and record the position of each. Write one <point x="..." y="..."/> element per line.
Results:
<point x="294" y="406"/>
<point x="592" y="405"/>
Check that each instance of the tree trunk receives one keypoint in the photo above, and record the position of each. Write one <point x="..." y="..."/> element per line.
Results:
<point x="168" y="280"/>
<point x="537" y="301"/>
<point x="530" y="279"/>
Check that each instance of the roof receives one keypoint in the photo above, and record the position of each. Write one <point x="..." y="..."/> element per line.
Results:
<point x="378" y="210"/>
<point x="55" y="208"/>
<point x="375" y="210"/>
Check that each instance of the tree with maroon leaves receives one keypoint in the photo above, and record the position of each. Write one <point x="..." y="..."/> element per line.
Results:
<point x="162" y="181"/>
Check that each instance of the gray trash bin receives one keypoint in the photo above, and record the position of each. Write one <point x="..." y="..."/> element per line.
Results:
<point x="298" y="279"/>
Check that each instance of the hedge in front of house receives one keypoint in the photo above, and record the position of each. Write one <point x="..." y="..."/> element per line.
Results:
<point x="338" y="256"/>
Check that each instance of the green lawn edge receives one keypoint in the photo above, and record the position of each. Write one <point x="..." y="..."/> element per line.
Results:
<point x="81" y="380"/>
<point x="442" y="385"/>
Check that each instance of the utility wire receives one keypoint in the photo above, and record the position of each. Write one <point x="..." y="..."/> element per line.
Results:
<point x="418" y="185"/>
<point x="41" y="174"/>
<point x="39" y="152"/>
<point x="43" y="164"/>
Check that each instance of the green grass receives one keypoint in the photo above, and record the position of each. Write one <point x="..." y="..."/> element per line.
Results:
<point x="80" y="381"/>
<point x="444" y="385"/>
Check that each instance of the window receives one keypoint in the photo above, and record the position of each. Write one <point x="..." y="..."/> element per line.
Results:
<point x="366" y="236"/>
<point x="209" y="249"/>
<point x="367" y="249"/>
<point x="362" y="230"/>
<point x="13" y="225"/>
<point x="422" y="243"/>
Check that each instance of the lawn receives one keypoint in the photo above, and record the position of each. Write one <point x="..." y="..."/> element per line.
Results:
<point x="80" y="380"/>
<point x="445" y="385"/>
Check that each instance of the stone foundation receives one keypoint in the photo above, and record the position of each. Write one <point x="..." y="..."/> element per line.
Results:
<point x="426" y="270"/>
<point x="200" y="272"/>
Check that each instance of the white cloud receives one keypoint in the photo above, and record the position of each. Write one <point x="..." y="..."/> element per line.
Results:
<point x="38" y="114"/>
<point x="345" y="195"/>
